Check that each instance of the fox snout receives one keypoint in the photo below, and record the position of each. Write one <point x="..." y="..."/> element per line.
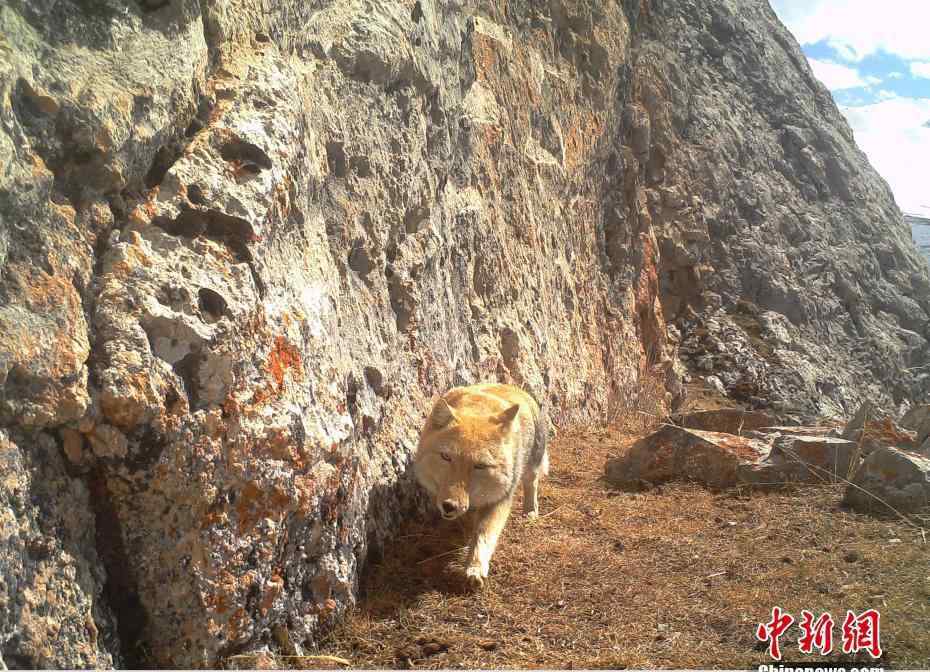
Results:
<point x="451" y="508"/>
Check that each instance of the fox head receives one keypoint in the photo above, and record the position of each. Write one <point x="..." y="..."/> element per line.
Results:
<point x="466" y="460"/>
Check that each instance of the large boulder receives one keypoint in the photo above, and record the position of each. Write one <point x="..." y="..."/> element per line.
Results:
<point x="721" y="460"/>
<point x="872" y="430"/>
<point x="715" y="459"/>
<point x="815" y="459"/>
<point x="891" y="479"/>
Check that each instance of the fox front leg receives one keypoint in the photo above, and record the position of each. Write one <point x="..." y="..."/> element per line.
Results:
<point x="531" y="494"/>
<point x="488" y="528"/>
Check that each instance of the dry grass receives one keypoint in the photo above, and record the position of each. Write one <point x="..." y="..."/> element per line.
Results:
<point x="677" y="577"/>
<point x="638" y="406"/>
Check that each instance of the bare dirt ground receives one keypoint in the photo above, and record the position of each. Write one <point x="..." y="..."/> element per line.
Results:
<point x="675" y="577"/>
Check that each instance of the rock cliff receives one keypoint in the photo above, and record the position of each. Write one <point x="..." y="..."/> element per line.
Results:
<point x="764" y="207"/>
<point x="243" y="244"/>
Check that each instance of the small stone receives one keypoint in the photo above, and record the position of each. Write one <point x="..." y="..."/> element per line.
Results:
<point x="432" y="648"/>
<point x="717" y="384"/>
<point x="73" y="444"/>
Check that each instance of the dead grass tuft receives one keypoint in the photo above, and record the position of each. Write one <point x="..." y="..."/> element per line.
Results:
<point x="639" y="405"/>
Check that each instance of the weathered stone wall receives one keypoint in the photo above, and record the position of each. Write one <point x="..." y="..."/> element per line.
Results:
<point x="242" y="249"/>
<point x="763" y="204"/>
<point x="243" y="244"/>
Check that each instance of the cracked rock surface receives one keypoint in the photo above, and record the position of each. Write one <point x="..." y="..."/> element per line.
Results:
<point x="772" y="225"/>
<point x="244" y="244"/>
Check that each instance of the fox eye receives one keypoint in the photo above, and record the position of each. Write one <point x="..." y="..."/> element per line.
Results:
<point x="446" y="457"/>
<point x="482" y="466"/>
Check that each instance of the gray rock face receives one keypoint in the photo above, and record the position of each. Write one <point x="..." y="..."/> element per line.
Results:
<point x="918" y="420"/>
<point x="243" y="249"/>
<point x="762" y="202"/>
<point x="52" y="610"/>
<point x="243" y="245"/>
<point x="920" y="230"/>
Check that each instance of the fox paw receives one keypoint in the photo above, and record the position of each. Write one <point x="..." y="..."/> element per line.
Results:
<point x="532" y="515"/>
<point x="473" y="578"/>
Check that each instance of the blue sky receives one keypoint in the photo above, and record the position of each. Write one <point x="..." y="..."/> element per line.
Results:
<point x="875" y="59"/>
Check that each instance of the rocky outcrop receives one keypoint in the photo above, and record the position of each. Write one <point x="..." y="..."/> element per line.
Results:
<point x="920" y="231"/>
<point x="871" y="431"/>
<point x="770" y="221"/>
<point x="722" y="460"/>
<point x="918" y="419"/>
<point x="244" y="244"/>
<point x="891" y="481"/>
<point x="241" y="250"/>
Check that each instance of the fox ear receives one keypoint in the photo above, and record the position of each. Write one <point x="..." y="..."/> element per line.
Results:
<point x="507" y="416"/>
<point x="443" y="415"/>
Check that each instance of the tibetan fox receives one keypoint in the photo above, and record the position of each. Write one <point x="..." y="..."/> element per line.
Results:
<point x="478" y="443"/>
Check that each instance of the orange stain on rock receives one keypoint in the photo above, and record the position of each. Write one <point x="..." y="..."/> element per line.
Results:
<point x="272" y="589"/>
<point x="255" y="503"/>
<point x="484" y="52"/>
<point x="648" y="284"/>
<point x="282" y="358"/>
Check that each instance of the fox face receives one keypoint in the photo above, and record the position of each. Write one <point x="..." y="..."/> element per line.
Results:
<point x="478" y="444"/>
<point x="466" y="460"/>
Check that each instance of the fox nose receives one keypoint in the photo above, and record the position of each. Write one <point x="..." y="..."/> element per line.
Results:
<point x="448" y="507"/>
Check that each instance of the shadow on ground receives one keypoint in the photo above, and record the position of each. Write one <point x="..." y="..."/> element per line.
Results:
<point x="426" y="556"/>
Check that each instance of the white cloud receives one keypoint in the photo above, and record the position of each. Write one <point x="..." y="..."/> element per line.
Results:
<point x="893" y="136"/>
<point x="836" y="77"/>
<point x="921" y="70"/>
<point x="857" y="28"/>
<point x="894" y="132"/>
<point x="845" y="51"/>
<point x="872" y="80"/>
